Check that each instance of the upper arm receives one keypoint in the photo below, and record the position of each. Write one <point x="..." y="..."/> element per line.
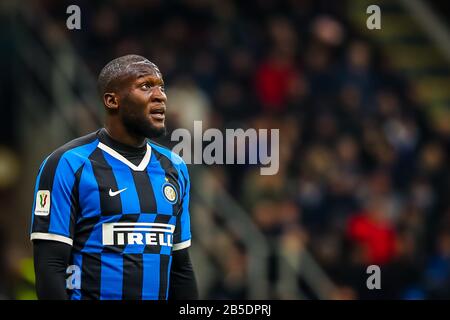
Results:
<point x="182" y="236"/>
<point x="55" y="201"/>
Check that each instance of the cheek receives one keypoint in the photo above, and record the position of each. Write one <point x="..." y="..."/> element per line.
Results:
<point x="136" y="103"/>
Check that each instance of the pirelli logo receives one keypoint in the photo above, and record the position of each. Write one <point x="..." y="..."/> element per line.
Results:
<point x="139" y="233"/>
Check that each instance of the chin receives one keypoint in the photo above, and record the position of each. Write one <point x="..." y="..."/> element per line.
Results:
<point x="158" y="126"/>
<point x="156" y="131"/>
<point x="144" y="127"/>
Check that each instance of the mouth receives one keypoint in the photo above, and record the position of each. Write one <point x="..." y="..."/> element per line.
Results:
<point x="158" y="113"/>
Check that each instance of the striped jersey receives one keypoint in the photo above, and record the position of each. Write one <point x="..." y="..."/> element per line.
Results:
<point x="122" y="209"/>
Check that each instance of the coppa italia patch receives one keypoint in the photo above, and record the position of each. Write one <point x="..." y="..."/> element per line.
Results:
<point x="42" y="203"/>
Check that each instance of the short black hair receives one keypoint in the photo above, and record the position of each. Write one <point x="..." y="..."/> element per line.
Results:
<point x="118" y="68"/>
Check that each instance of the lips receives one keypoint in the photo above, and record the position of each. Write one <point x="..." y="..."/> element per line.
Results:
<point x="158" y="113"/>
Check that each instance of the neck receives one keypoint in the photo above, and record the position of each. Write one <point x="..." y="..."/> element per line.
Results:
<point x="120" y="134"/>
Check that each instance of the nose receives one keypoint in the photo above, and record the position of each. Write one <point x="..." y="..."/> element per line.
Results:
<point x="159" y="95"/>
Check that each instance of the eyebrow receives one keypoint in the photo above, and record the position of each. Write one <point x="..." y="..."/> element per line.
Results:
<point x="154" y="78"/>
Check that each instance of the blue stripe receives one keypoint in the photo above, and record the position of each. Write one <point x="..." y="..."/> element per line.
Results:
<point x="78" y="261"/>
<point x="124" y="178"/>
<point x="166" y="249"/>
<point x="185" y="217"/>
<point x="36" y="190"/>
<point x="139" y="248"/>
<point x="150" y="287"/>
<point x="63" y="183"/>
<point x="95" y="240"/>
<point x="60" y="199"/>
<point x="157" y="177"/>
<point x="184" y="214"/>
<point x="111" y="277"/>
<point x="168" y="276"/>
<point x="90" y="207"/>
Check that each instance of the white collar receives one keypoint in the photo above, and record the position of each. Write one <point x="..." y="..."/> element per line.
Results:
<point x="118" y="156"/>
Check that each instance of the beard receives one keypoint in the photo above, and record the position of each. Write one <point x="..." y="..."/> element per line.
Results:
<point x="139" y="125"/>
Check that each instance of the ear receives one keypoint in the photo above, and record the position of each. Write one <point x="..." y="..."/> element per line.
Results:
<point x="111" y="101"/>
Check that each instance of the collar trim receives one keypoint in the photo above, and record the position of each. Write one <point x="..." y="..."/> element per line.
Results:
<point x="118" y="156"/>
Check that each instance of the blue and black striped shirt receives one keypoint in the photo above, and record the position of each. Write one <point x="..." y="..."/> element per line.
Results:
<point x="123" y="215"/>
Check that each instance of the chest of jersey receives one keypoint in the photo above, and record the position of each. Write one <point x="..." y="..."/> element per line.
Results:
<point x="125" y="210"/>
<point x="110" y="187"/>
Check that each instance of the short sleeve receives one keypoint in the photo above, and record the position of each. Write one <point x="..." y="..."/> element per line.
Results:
<point x="55" y="201"/>
<point x="182" y="235"/>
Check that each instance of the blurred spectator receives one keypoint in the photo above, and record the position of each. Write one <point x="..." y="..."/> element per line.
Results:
<point x="373" y="233"/>
<point x="187" y="103"/>
<point x="437" y="273"/>
<point x="274" y="78"/>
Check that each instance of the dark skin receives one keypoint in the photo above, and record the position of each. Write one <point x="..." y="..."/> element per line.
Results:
<point x="136" y="106"/>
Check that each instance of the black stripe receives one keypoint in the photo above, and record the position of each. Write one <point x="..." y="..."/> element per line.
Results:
<point x="119" y="248"/>
<point x="132" y="277"/>
<point x="171" y="175"/>
<point x="83" y="231"/>
<point x="74" y="202"/>
<point x="91" y="269"/>
<point x="105" y="180"/>
<point x="42" y="223"/>
<point x="145" y="191"/>
<point x="177" y="234"/>
<point x="163" y="273"/>
<point x="160" y="218"/>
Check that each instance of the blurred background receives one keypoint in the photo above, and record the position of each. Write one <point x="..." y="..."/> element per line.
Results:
<point x="364" y="123"/>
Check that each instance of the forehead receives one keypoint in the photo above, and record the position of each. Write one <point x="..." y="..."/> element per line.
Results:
<point x="137" y="71"/>
<point x="143" y="68"/>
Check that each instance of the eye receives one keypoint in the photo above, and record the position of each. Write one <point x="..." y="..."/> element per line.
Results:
<point x="145" y="86"/>
<point x="163" y="88"/>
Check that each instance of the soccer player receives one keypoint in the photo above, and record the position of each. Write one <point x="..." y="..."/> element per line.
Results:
<point x="111" y="209"/>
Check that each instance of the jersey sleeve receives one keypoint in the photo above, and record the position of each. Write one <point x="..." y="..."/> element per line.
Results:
<point x="55" y="201"/>
<point x="182" y="235"/>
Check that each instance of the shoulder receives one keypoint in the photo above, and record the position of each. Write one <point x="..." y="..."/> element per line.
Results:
<point x="74" y="153"/>
<point x="170" y="158"/>
<point x="165" y="152"/>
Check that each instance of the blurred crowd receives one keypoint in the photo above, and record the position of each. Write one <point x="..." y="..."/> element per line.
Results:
<point x="363" y="169"/>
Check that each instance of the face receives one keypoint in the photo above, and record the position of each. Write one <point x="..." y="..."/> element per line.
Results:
<point x="142" y="102"/>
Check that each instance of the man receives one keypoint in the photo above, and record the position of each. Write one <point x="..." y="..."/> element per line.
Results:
<point x="111" y="209"/>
